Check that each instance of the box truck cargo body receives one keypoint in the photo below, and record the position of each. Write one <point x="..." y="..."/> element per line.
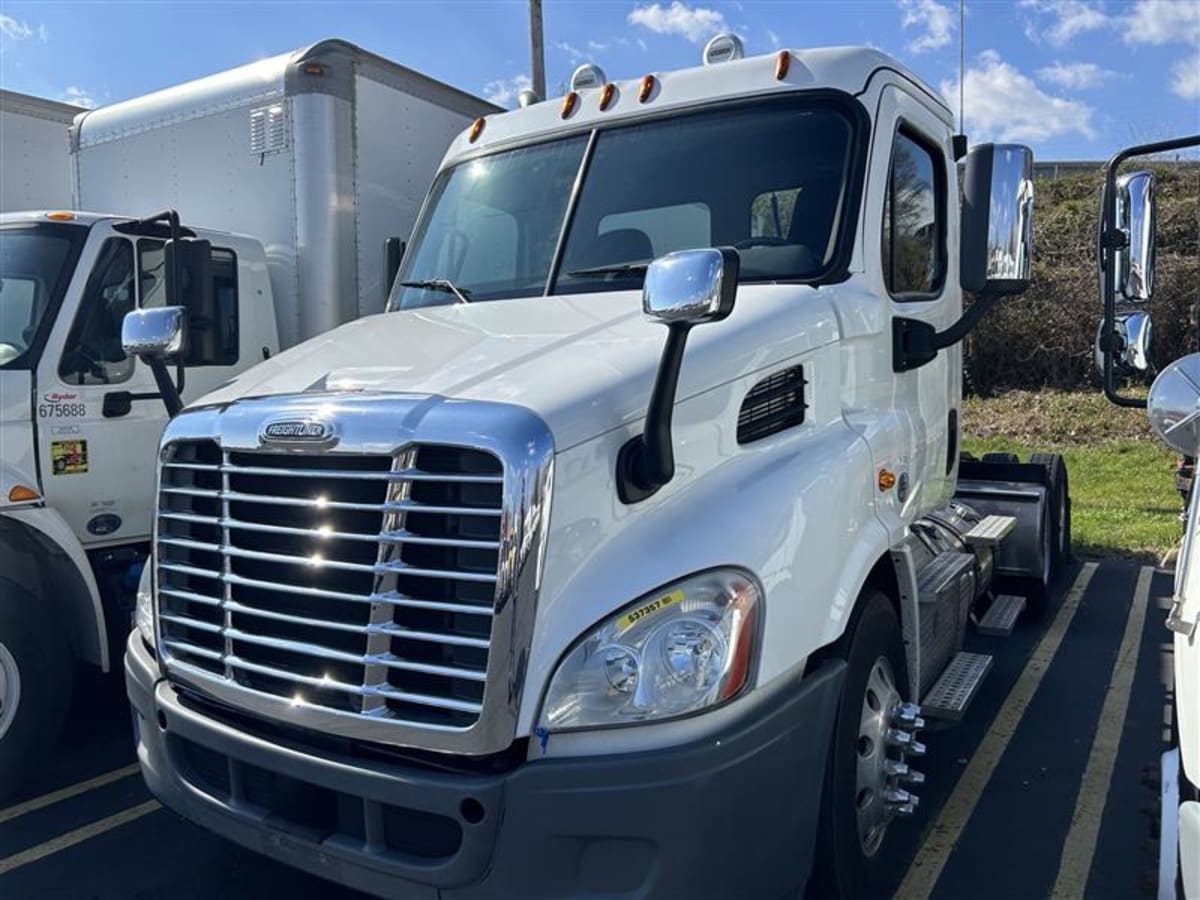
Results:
<point x="35" y="170"/>
<point x="322" y="154"/>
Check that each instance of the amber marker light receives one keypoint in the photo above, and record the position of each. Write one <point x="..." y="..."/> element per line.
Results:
<point x="61" y="216"/>
<point x="476" y="130"/>
<point x="568" y="104"/>
<point x="887" y="480"/>
<point x="646" y="89"/>
<point x="22" y="494"/>
<point x="783" y="62"/>
<point x="607" y="93"/>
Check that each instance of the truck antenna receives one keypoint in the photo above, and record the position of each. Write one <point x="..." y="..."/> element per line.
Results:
<point x="960" y="139"/>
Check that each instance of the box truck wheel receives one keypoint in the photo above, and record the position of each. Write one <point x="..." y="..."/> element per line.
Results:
<point x="35" y="683"/>
<point x="866" y="774"/>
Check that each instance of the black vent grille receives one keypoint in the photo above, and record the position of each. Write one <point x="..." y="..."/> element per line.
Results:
<point x="775" y="403"/>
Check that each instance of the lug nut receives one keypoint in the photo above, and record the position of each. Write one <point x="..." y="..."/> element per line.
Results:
<point x="908" y="716"/>
<point x="897" y="737"/>
<point x="916" y="748"/>
<point x="893" y="768"/>
<point x="899" y="797"/>
<point x="907" y="809"/>
<point x="912" y="776"/>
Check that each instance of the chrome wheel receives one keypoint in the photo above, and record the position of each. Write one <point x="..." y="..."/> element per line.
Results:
<point x="10" y="689"/>
<point x="886" y="733"/>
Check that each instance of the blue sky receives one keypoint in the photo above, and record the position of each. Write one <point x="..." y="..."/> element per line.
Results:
<point x="1074" y="78"/>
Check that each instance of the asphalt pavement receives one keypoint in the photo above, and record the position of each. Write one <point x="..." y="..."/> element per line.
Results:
<point x="1048" y="787"/>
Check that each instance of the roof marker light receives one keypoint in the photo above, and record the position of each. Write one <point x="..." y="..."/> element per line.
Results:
<point x="589" y="75"/>
<point x="646" y="88"/>
<point x="783" y="62"/>
<point x="568" y="104"/>
<point x="607" y="93"/>
<point x="476" y="130"/>
<point x="60" y="215"/>
<point x="723" y="48"/>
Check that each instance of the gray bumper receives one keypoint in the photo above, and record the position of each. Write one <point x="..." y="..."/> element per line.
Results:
<point x="734" y="815"/>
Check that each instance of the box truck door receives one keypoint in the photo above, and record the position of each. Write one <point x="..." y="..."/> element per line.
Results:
<point x="99" y="418"/>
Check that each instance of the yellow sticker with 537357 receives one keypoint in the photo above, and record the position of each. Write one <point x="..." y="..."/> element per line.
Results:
<point x="632" y="617"/>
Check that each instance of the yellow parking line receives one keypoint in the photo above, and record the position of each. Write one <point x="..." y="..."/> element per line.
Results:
<point x="71" y="838"/>
<point x="1080" y="845"/>
<point x="63" y="793"/>
<point x="927" y="866"/>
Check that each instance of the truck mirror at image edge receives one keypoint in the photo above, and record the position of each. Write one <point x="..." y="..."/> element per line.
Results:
<point x="1134" y="270"/>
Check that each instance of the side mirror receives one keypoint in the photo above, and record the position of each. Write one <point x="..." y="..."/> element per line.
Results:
<point x="1134" y="270"/>
<point x="1132" y="333"/>
<point x="393" y="254"/>
<point x="188" y="264"/>
<point x="1174" y="405"/>
<point x="154" y="336"/>
<point x="680" y="290"/>
<point x="996" y="241"/>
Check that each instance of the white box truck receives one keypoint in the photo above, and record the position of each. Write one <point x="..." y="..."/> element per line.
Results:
<point x="34" y="171"/>
<point x="321" y="155"/>
<point x="1126" y="252"/>
<point x="561" y="602"/>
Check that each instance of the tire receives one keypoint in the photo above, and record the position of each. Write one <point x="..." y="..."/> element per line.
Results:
<point x="1000" y="458"/>
<point x="844" y="866"/>
<point x="1060" y="508"/>
<point x="36" y="671"/>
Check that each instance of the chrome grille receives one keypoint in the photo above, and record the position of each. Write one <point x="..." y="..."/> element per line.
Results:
<point x="359" y="583"/>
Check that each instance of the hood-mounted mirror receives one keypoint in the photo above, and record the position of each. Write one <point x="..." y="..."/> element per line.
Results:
<point x="1174" y="405"/>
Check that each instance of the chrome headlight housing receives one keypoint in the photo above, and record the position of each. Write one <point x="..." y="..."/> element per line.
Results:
<point x="685" y="648"/>
<point x="143" y="610"/>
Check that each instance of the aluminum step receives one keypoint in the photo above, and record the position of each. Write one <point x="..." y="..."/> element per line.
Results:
<point x="956" y="687"/>
<point x="990" y="531"/>
<point x="943" y="574"/>
<point x="1001" y="617"/>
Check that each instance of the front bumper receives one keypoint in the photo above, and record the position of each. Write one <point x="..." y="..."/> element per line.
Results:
<point x="733" y="815"/>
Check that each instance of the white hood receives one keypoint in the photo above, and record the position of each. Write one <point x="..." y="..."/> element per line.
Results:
<point x="584" y="363"/>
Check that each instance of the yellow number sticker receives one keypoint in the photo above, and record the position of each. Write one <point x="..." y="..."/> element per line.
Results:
<point x="628" y="620"/>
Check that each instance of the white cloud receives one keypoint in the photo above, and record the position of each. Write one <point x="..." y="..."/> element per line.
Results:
<point x="935" y="19"/>
<point x="504" y="91"/>
<point x="1162" y="22"/>
<point x="773" y="38"/>
<point x="1185" y="78"/>
<point x="14" y="29"/>
<point x="696" y="23"/>
<point x="1003" y="104"/>
<point x="574" y="54"/>
<point x="1076" y="76"/>
<point x="77" y="96"/>
<point x="1068" y="18"/>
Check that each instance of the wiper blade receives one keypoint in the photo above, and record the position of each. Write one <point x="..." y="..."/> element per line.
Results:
<point x="629" y="268"/>
<point x="445" y="285"/>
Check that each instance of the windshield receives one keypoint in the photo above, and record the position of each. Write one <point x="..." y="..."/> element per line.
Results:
<point x="35" y="265"/>
<point x="769" y="178"/>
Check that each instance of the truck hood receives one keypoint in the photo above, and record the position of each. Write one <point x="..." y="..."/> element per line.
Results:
<point x="584" y="363"/>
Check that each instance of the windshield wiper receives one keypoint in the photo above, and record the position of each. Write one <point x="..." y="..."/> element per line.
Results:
<point x="629" y="268"/>
<point x="445" y="285"/>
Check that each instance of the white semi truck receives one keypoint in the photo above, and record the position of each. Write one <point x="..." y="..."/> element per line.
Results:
<point x="1126" y="254"/>
<point x="34" y="171"/>
<point x="323" y="155"/>
<point x="514" y="591"/>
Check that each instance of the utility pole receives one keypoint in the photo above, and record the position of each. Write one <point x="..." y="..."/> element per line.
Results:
<point x="537" y="55"/>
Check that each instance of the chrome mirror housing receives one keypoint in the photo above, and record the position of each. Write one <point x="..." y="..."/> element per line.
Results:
<point x="156" y="333"/>
<point x="1174" y="405"/>
<point x="691" y="286"/>
<point x="1132" y="353"/>
<point x="996" y="247"/>
<point x="1134" y="269"/>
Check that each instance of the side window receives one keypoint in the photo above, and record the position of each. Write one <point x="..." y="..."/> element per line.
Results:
<point x="914" y="224"/>
<point x="93" y="353"/>
<point x="212" y="333"/>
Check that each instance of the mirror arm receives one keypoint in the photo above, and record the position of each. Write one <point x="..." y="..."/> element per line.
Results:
<point x="166" y="387"/>
<point x="915" y="343"/>
<point x="647" y="461"/>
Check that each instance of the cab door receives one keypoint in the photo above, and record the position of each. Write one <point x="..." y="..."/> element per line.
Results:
<point x="98" y="414"/>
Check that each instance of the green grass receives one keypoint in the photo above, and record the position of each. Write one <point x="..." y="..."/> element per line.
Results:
<point x="1123" y="496"/>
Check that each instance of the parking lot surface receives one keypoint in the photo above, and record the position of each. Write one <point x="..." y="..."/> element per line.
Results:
<point x="1048" y="788"/>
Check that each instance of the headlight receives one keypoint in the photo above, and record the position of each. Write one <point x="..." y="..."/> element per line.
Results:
<point x="682" y="649"/>
<point x="143" y="611"/>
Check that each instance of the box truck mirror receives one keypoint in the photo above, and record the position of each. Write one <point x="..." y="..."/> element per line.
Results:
<point x="1131" y="343"/>
<point x="156" y="336"/>
<point x="1133" y="272"/>
<point x="680" y="290"/>
<point x="393" y="255"/>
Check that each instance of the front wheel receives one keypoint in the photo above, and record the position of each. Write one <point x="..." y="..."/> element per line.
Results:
<point x="35" y="684"/>
<point x="867" y="778"/>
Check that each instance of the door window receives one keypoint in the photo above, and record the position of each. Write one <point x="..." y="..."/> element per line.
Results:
<point x="212" y="333"/>
<point x="93" y="352"/>
<point x="914" y="225"/>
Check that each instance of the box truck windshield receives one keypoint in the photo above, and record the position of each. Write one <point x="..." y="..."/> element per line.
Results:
<point x="35" y="265"/>
<point x="773" y="185"/>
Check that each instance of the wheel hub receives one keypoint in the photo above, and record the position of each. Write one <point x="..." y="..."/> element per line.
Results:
<point x="10" y="689"/>
<point x="886" y="736"/>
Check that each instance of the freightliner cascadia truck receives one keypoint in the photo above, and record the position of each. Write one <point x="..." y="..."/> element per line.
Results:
<point x="323" y="156"/>
<point x="1126" y="253"/>
<point x="630" y="551"/>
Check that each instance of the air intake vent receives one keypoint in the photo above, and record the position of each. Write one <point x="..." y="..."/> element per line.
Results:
<point x="775" y="403"/>
<point x="268" y="129"/>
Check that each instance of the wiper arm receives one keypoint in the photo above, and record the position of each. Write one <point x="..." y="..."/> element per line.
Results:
<point x="629" y="268"/>
<point x="445" y="285"/>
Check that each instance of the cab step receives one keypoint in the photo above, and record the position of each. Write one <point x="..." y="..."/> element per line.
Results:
<point x="990" y="531"/>
<point x="956" y="687"/>
<point x="1001" y="617"/>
